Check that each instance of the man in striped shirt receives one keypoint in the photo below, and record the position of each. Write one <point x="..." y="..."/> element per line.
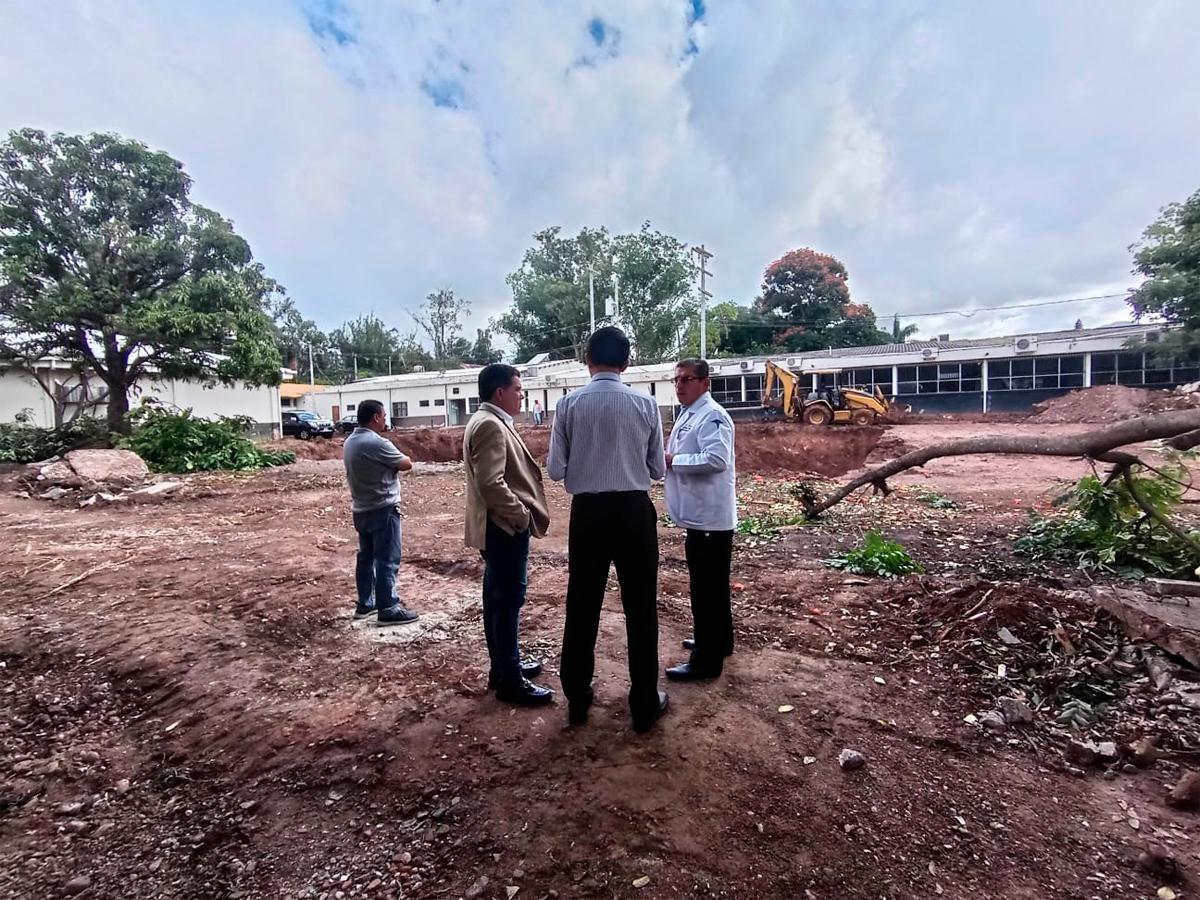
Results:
<point x="607" y="447"/>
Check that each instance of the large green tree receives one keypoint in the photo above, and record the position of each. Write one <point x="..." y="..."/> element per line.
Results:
<point x="367" y="345"/>
<point x="806" y="296"/>
<point x="551" y="310"/>
<point x="1168" y="258"/>
<point x="107" y="265"/>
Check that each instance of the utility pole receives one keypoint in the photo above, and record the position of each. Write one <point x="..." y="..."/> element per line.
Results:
<point x="704" y="256"/>
<point x="312" y="379"/>
<point x="591" y="298"/>
<point x="389" y="364"/>
<point x="613" y="310"/>
<point x="356" y="368"/>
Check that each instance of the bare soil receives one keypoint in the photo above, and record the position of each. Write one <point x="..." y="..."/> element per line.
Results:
<point x="190" y="711"/>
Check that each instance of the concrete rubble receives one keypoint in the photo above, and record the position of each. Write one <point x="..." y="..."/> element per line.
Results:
<point x="95" y="478"/>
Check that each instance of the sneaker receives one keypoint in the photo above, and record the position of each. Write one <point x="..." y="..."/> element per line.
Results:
<point x="361" y="611"/>
<point x="396" y="615"/>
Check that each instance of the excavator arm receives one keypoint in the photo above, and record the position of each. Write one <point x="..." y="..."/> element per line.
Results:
<point x="787" y="381"/>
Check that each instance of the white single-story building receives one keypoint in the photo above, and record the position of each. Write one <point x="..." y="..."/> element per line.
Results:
<point x="1008" y="373"/>
<point x="20" y="393"/>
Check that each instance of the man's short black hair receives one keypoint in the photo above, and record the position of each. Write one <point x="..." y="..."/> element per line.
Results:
<point x="367" y="410"/>
<point x="698" y="367"/>
<point x="608" y="346"/>
<point x="493" y="377"/>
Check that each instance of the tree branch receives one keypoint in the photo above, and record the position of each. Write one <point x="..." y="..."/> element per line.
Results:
<point x="1151" y="512"/>
<point x="1100" y="444"/>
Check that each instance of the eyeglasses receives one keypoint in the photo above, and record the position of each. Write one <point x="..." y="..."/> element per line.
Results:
<point x="683" y="379"/>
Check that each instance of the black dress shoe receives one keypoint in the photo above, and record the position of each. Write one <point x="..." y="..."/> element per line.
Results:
<point x="577" y="710"/>
<point x="525" y="694"/>
<point x="690" y="644"/>
<point x="643" y="725"/>
<point x="530" y="668"/>
<point x="687" y="672"/>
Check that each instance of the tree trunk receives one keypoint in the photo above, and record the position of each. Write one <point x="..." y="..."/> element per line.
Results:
<point x="118" y="409"/>
<point x="1098" y="444"/>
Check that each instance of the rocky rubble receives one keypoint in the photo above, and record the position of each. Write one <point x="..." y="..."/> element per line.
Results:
<point x="90" y="477"/>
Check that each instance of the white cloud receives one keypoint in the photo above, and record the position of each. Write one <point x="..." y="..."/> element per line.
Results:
<point x="950" y="155"/>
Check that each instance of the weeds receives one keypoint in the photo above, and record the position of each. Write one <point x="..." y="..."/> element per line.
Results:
<point x="933" y="499"/>
<point x="179" y="442"/>
<point x="1101" y="527"/>
<point x="877" y="556"/>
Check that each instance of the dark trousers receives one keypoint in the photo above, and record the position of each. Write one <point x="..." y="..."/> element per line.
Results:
<point x="378" y="555"/>
<point x="709" y="559"/>
<point x="505" y="563"/>
<point x="620" y="529"/>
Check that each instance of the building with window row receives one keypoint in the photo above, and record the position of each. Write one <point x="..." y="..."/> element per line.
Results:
<point x="1002" y="374"/>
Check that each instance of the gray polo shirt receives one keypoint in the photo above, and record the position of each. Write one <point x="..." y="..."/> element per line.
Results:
<point x="371" y="465"/>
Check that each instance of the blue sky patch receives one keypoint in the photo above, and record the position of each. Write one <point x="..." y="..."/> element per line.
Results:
<point x="327" y="20"/>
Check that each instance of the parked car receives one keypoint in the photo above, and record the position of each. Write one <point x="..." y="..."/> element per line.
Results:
<point x="305" y="425"/>
<point x="347" y="423"/>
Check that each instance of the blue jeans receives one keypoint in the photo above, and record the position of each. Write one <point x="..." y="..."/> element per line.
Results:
<point x="378" y="556"/>
<point x="505" y="563"/>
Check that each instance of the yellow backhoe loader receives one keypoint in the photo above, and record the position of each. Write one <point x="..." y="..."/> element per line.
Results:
<point x="835" y="406"/>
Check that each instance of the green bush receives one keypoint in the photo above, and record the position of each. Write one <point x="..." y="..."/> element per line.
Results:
<point x="877" y="556"/>
<point x="22" y="442"/>
<point x="180" y="442"/>
<point x="1102" y="527"/>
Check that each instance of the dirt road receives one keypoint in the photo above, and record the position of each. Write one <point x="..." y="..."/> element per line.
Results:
<point x="189" y="711"/>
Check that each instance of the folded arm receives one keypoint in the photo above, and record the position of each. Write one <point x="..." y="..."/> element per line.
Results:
<point x="715" y="437"/>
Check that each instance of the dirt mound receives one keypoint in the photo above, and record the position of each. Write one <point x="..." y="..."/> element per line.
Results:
<point x="762" y="448"/>
<point x="1106" y="403"/>
<point x="318" y="448"/>
<point x="785" y="447"/>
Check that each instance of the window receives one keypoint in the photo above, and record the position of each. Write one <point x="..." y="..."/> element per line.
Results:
<point x="908" y="379"/>
<point x="439" y="402"/>
<point x="727" y="390"/>
<point x="349" y="407"/>
<point x="473" y="405"/>
<point x="454" y="390"/>
<point x="652" y="394"/>
<point x="424" y="403"/>
<point x="399" y="409"/>
<point x="754" y="389"/>
<point x="1035" y="373"/>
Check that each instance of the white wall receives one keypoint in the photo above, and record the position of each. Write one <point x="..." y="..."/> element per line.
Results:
<point x="19" y="392"/>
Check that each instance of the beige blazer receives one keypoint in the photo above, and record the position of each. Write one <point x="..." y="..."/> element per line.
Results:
<point x="504" y="481"/>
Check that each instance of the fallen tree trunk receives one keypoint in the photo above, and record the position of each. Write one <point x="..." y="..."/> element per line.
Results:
<point x="1100" y="444"/>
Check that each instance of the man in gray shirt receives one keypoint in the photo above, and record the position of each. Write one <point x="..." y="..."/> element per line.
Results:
<point x="372" y="462"/>
<point x="607" y="447"/>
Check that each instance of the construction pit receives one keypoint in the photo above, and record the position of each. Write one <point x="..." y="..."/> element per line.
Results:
<point x="190" y="711"/>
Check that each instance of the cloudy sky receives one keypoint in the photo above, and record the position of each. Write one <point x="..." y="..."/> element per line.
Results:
<point x="953" y="155"/>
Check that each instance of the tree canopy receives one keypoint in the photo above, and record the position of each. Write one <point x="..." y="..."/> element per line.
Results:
<point x="106" y="264"/>
<point x="1168" y="258"/>
<point x="551" y="309"/>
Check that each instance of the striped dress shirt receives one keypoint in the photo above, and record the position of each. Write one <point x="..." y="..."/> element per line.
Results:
<point x="606" y="437"/>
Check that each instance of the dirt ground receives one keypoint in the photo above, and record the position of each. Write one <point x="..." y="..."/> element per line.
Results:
<point x="189" y="710"/>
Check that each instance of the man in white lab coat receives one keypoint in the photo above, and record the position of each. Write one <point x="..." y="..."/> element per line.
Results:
<point x="701" y="490"/>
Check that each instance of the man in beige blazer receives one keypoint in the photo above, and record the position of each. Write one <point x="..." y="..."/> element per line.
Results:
<point x="506" y="505"/>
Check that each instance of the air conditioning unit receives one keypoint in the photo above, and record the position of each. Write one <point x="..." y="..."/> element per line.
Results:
<point x="745" y="365"/>
<point x="1025" y="345"/>
<point x="531" y="371"/>
<point x="929" y="352"/>
<point x="793" y="362"/>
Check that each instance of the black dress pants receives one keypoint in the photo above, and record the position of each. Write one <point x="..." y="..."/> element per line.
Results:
<point x="709" y="559"/>
<point x="621" y="529"/>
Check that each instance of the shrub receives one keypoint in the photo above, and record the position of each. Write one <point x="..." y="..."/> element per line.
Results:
<point x="1101" y="526"/>
<point x="180" y="442"/>
<point x="23" y="442"/>
<point x="877" y="556"/>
